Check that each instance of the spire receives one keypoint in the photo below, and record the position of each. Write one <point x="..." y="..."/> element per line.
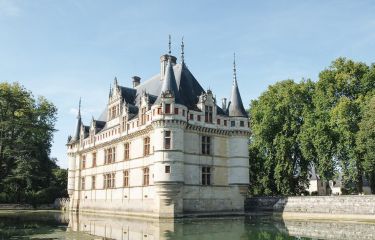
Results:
<point x="110" y="90"/>
<point x="115" y="83"/>
<point x="79" y="123"/>
<point x="182" y="50"/>
<point x="234" y="68"/>
<point x="235" y="107"/>
<point x="169" y="84"/>
<point x="79" y="109"/>
<point x="169" y="45"/>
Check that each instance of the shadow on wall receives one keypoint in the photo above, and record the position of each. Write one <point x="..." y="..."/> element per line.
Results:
<point x="265" y="204"/>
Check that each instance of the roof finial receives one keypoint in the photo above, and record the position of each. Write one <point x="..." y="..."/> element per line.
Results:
<point x="79" y="108"/>
<point x="182" y="49"/>
<point x="234" y="68"/>
<point x="115" y="83"/>
<point x="110" y="90"/>
<point x="169" y="45"/>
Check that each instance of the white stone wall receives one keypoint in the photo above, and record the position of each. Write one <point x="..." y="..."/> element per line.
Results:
<point x="168" y="194"/>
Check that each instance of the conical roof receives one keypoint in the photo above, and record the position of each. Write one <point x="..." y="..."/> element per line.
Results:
<point x="169" y="84"/>
<point x="236" y="108"/>
<point x="78" y="126"/>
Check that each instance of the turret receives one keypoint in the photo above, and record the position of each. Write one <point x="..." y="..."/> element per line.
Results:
<point x="78" y="125"/>
<point x="169" y="87"/>
<point x="235" y="108"/>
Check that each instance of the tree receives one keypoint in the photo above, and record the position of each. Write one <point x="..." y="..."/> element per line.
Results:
<point x="366" y="141"/>
<point x="295" y="124"/>
<point x="26" y="132"/>
<point x="277" y="165"/>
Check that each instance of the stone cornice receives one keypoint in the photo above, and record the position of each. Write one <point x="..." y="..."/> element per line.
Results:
<point x="127" y="137"/>
<point x="224" y="132"/>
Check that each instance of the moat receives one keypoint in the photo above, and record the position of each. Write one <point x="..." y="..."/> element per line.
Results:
<point x="57" y="225"/>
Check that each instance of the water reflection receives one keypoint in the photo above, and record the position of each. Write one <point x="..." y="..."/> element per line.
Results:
<point x="250" y="227"/>
<point x="55" y="225"/>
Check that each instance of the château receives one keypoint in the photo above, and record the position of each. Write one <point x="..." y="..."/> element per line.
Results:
<point x="162" y="148"/>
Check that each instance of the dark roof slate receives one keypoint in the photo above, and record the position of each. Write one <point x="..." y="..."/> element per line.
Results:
<point x="236" y="108"/>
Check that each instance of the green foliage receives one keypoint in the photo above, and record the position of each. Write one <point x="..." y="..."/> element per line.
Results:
<point x="277" y="165"/>
<point x="326" y="123"/>
<point x="26" y="132"/>
<point x="366" y="140"/>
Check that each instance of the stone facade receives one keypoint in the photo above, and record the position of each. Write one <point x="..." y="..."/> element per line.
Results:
<point x="160" y="149"/>
<point x="329" y="207"/>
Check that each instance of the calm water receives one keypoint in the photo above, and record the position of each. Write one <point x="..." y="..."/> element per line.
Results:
<point x="55" y="225"/>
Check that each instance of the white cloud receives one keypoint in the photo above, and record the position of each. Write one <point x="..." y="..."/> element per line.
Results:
<point x="9" y="8"/>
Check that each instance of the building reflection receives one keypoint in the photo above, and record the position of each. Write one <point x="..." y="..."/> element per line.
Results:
<point x="113" y="227"/>
<point x="250" y="227"/>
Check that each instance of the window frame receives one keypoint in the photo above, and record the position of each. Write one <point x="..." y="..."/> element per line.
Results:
<point x="206" y="145"/>
<point x="126" y="151"/>
<point x="206" y="176"/>
<point x="146" y="146"/>
<point x="167" y="139"/>
<point x="125" y="179"/>
<point x="93" y="182"/>
<point x="146" y="176"/>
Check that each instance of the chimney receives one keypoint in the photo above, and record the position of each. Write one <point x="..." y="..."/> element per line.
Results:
<point x="136" y="81"/>
<point x="163" y="63"/>
<point x="224" y="104"/>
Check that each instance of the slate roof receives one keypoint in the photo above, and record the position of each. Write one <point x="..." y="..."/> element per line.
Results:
<point x="169" y="84"/>
<point x="179" y="80"/>
<point x="236" y="108"/>
<point x="188" y="87"/>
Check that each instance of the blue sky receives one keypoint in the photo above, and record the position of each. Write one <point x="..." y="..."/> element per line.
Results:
<point x="69" y="49"/>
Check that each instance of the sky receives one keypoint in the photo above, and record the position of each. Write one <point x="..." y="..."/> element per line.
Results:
<point x="64" y="50"/>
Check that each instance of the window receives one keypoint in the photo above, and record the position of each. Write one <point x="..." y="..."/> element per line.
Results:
<point x="109" y="180"/>
<point x="159" y="110"/>
<point x="206" y="176"/>
<point x="225" y="122"/>
<point x="146" y="176"/>
<point x="83" y="183"/>
<point x="167" y="140"/>
<point x="232" y="123"/>
<point x="206" y="142"/>
<point x="167" y="108"/>
<point x="218" y="122"/>
<point x="183" y="113"/>
<point x="191" y="116"/>
<point x="175" y="110"/>
<point x="93" y="182"/>
<point x="126" y="151"/>
<point x="167" y="169"/>
<point x="199" y="118"/>
<point x="110" y="155"/>
<point x="83" y="161"/>
<point x="123" y="123"/>
<point x="126" y="178"/>
<point x="143" y="116"/>
<point x="146" y="146"/>
<point x="94" y="159"/>
<point x="113" y="112"/>
<point x="208" y="114"/>
<point x="242" y="124"/>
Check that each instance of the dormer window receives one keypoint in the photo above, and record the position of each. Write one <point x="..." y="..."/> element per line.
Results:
<point x="113" y="112"/>
<point x="143" y="116"/>
<point x="208" y="114"/>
